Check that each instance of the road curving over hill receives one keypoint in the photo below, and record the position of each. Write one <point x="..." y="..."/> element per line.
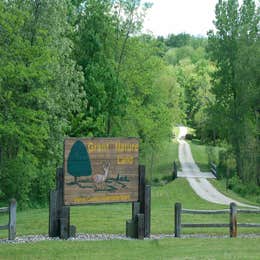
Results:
<point x="197" y="179"/>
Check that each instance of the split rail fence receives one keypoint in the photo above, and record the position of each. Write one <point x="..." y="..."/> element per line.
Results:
<point x="232" y="225"/>
<point x="11" y="226"/>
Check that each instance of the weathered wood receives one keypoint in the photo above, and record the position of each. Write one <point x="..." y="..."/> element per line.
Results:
<point x="177" y="220"/>
<point x="140" y="226"/>
<point x="249" y="211"/>
<point x="233" y="220"/>
<point x="213" y="169"/>
<point x="207" y="212"/>
<point x="147" y="211"/>
<point x="4" y="227"/>
<point x="131" y="228"/>
<point x="55" y="205"/>
<point x="65" y="222"/>
<point x="53" y="215"/>
<point x="195" y="225"/>
<point x="141" y="188"/>
<point x="12" y="220"/>
<point x="174" y="171"/>
<point x="3" y="210"/>
<point x="111" y="170"/>
<point x="135" y="209"/>
<point x="72" y="231"/>
<point x="248" y="224"/>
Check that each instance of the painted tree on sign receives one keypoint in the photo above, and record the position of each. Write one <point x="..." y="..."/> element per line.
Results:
<point x="78" y="161"/>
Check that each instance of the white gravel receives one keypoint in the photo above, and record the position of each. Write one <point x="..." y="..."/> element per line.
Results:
<point x="105" y="237"/>
<point x="197" y="179"/>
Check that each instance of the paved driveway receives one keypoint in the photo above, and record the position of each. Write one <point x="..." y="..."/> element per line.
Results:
<point x="197" y="179"/>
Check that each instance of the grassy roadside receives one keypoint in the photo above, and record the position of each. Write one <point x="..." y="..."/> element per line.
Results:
<point x="152" y="249"/>
<point x="221" y="186"/>
<point x="204" y="154"/>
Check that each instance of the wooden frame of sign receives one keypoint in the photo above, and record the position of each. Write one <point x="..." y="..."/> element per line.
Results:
<point x="100" y="170"/>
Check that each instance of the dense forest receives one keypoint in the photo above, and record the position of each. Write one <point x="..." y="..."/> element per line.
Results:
<point x="83" y="68"/>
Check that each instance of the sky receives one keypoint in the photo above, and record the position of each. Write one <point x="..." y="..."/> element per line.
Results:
<point x="177" y="16"/>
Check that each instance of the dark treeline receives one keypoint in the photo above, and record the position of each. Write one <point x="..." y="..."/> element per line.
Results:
<point x="83" y="68"/>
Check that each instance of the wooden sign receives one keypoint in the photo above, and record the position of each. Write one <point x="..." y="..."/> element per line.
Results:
<point x="100" y="170"/>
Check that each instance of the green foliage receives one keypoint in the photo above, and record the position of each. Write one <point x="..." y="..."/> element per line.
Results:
<point x="38" y="81"/>
<point x="234" y="47"/>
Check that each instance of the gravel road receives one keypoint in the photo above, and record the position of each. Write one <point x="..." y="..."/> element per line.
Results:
<point x="197" y="179"/>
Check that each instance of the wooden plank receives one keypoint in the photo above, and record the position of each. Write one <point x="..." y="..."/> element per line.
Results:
<point x="141" y="188"/>
<point x="100" y="170"/>
<point x="140" y="227"/>
<point x="131" y="228"/>
<point x="207" y="212"/>
<point x="4" y="210"/>
<point x="233" y="220"/>
<point x="177" y="220"/>
<point x="53" y="215"/>
<point x="248" y="224"/>
<point x="135" y="209"/>
<point x="72" y="231"/>
<point x="65" y="223"/>
<point x="147" y="211"/>
<point x="201" y="225"/>
<point x="249" y="211"/>
<point x="12" y="220"/>
<point x="4" y="227"/>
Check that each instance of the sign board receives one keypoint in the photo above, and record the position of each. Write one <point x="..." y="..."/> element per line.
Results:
<point x="100" y="170"/>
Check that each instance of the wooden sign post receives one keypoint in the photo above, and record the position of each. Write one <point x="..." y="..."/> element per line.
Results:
<point x="98" y="170"/>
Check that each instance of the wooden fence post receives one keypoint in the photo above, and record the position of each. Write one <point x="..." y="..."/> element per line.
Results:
<point x="147" y="211"/>
<point x="12" y="220"/>
<point x="135" y="209"/>
<point x="140" y="226"/>
<point x="233" y="220"/>
<point x="132" y="225"/>
<point x="53" y="214"/>
<point x="65" y="222"/>
<point x="174" y="171"/>
<point x="177" y="219"/>
<point x="141" y="187"/>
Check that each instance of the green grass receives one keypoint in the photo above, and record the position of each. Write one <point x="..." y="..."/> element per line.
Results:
<point x="152" y="249"/>
<point x="204" y="154"/>
<point x="221" y="186"/>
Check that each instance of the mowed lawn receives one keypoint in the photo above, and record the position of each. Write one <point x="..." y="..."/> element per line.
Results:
<point x="148" y="249"/>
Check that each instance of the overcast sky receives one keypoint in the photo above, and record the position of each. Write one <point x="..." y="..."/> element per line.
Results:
<point x="176" y="16"/>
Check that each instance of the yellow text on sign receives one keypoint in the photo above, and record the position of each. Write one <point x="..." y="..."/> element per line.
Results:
<point x="125" y="160"/>
<point x="125" y="197"/>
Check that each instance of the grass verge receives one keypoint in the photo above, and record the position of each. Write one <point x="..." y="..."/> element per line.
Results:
<point x="152" y="249"/>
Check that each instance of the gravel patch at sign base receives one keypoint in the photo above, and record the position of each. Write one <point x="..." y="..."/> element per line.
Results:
<point x="105" y="237"/>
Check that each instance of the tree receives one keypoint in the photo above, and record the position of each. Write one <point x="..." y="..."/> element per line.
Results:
<point x="236" y="37"/>
<point x="104" y="30"/>
<point x="39" y="85"/>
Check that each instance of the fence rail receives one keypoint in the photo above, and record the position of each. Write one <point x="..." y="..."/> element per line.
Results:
<point x="232" y="211"/>
<point x="11" y="226"/>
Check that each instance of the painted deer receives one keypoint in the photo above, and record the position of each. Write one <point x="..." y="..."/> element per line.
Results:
<point x="99" y="179"/>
